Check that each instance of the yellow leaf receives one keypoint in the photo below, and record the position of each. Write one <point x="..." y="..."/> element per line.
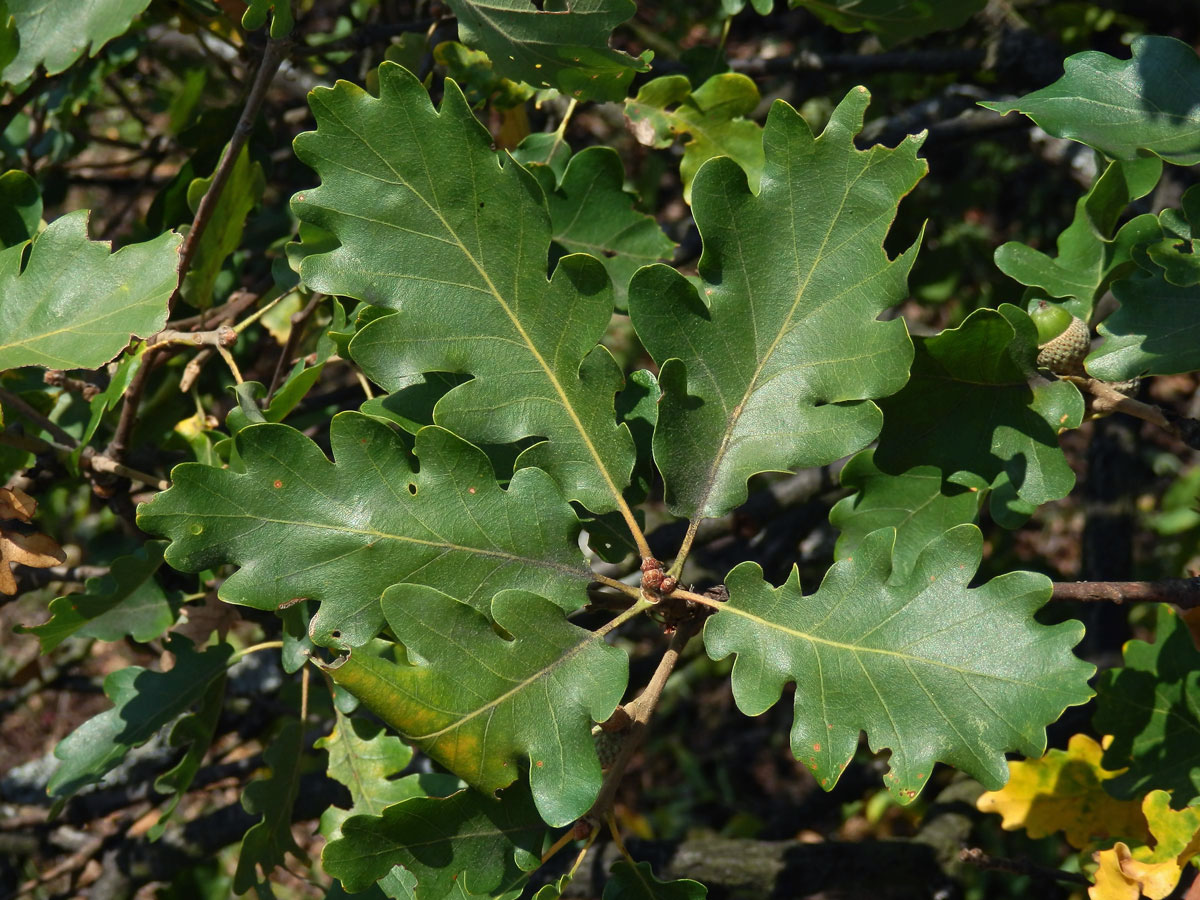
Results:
<point x="1147" y="872"/>
<point x="1063" y="791"/>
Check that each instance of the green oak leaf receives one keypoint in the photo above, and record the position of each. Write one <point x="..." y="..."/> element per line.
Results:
<point x="144" y="702"/>
<point x="637" y="882"/>
<point x="269" y="840"/>
<point x="20" y="206"/>
<point x="472" y="71"/>
<point x="714" y="118"/>
<point x="74" y="306"/>
<point x="1151" y="707"/>
<point x="971" y="411"/>
<point x="126" y="601"/>
<point x="559" y="44"/>
<point x="343" y="532"/>
<point x="195" y="731"/>
<point x="917" y="503"/>
<point x="1178" y="253"/>
<point x="496" y="843"/>
<point x="893" y="21"/>
<point x="774" y="367"/>
<point x="242" y="193"/>
<point x="1091" y="251"/>
<point x="479" y="704"/>
<point x="544" y="148"/>
<point x="431" y="222"/>
<point x="927" y="667"/>
<point x="1155" y="330"/>
<point x="1124" y="108"/>
<point x="55" y="35"/>
<point x="591" y="213"/>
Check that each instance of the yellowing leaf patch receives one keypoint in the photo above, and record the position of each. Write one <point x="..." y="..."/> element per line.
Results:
<point x="1127" y="874"/>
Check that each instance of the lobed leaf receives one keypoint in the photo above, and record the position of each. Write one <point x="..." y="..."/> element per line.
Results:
<point x="1091" y="250"/>
<point x="1124" y="108"/>
<point x="894" y="21"/>
<point x="637" y="882"/>
<point x="1151" y="707"/>
<point x="343" y="532"/>
<point x="916" y="503"/>
<point x="591" y="213"/>
<point x="428" y="221"/>
<point x="75" y="306"/>
<point x="773" y="368"/>
<point x="975" y="411"/>
<point x="144" y="702"/>
<point x="714" y="117"/>
<point x="1155" y="330"/>
<point x="927" y="667"/>
<point x="126" y="601"/>
<point x="55" y="35"/>
<point x="478" y="703"/>
<point x="438" y="839"/>
<point x="269" y="840"/>
<point x="1131" y="873"/>
<point x="561" y="44"/>
<point x="1064" y="791"/>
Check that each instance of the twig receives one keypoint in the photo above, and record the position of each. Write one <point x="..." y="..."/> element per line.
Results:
<point x="9" y="110"/>
<point x="635" y="720"/>
<point x="293" y="339"/>
<point x="1107" y="399"/>
<point x="619" y="585"/>
<point x="218" y="337"/>
<point x="977" y="857"/>
<point x="1183" y="592"/>
<point x="89" y="459"/>
<point x="16" y="403"/>
<point x="273" y="55"/>
<point x="56" y="378"/>
<point x="133" y="399"/>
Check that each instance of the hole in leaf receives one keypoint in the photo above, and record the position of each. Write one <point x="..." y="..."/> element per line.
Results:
<point x="412" y="489"/>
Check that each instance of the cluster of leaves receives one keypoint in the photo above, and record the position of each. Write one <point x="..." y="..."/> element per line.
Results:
<point x="430" y="564"/>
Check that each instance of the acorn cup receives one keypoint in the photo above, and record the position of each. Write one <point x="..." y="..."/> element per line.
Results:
<point x="1064" y="339"/>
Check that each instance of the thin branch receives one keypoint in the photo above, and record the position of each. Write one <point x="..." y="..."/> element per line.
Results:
<point x="1183" y="592"/>
<point x="685" y="548"/>
<point x="20" y="406"/>
<point x="9" y="110"/>
<point x="293" y="339"/>
<point x="273" y="56"/>
<point x="619" y="585"/>
<point x="635" y="718"/>
<point x="218" y="337"/>
<point x="977" y="857"/>
<point x="1107" y="399"/>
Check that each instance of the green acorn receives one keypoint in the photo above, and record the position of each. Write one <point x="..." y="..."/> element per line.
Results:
<point x="1063" y="339"/>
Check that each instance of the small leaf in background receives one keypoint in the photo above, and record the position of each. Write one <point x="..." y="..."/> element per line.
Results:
<point x="195" y="731"/>
<point x="591" y="213"/>
<point x="495" y="843"/>
<point x="20" y="205"/>
<point x="772" y="364"/>
<point x="1064" y="791"/>
<point x="916" y="503"/>
<point x="1124" y="107"/>
<point x="1151" y="707"/>
<point x="637" y="882"/>
<point x="104" y="297"/>
<point x="269" y="841"/>
<point x="144" y="702"/>
<point x="556" y="44"/>
<point x="242" y="193"/>
<point x="1091" y="251"/>
<point x="342" y="532"/>
<point x="480" y="704"/>
<point x="458" y="241"/>
<point x="714" y="117"/>
<point x="472" y="71"/>
<point x="544" y="148"/>
<point x="1129" y="873"/>
<point x="126" y="601"/>
<point x="1008" y="443"/>
<point x="912" y="663"/>
<point x="893" y="21"/>
<point x="57" y="34"/>
<point x="1155" y="330"/>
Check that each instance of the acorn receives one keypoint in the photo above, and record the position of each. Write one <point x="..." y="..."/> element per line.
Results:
<point x="1063" y="339"/>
